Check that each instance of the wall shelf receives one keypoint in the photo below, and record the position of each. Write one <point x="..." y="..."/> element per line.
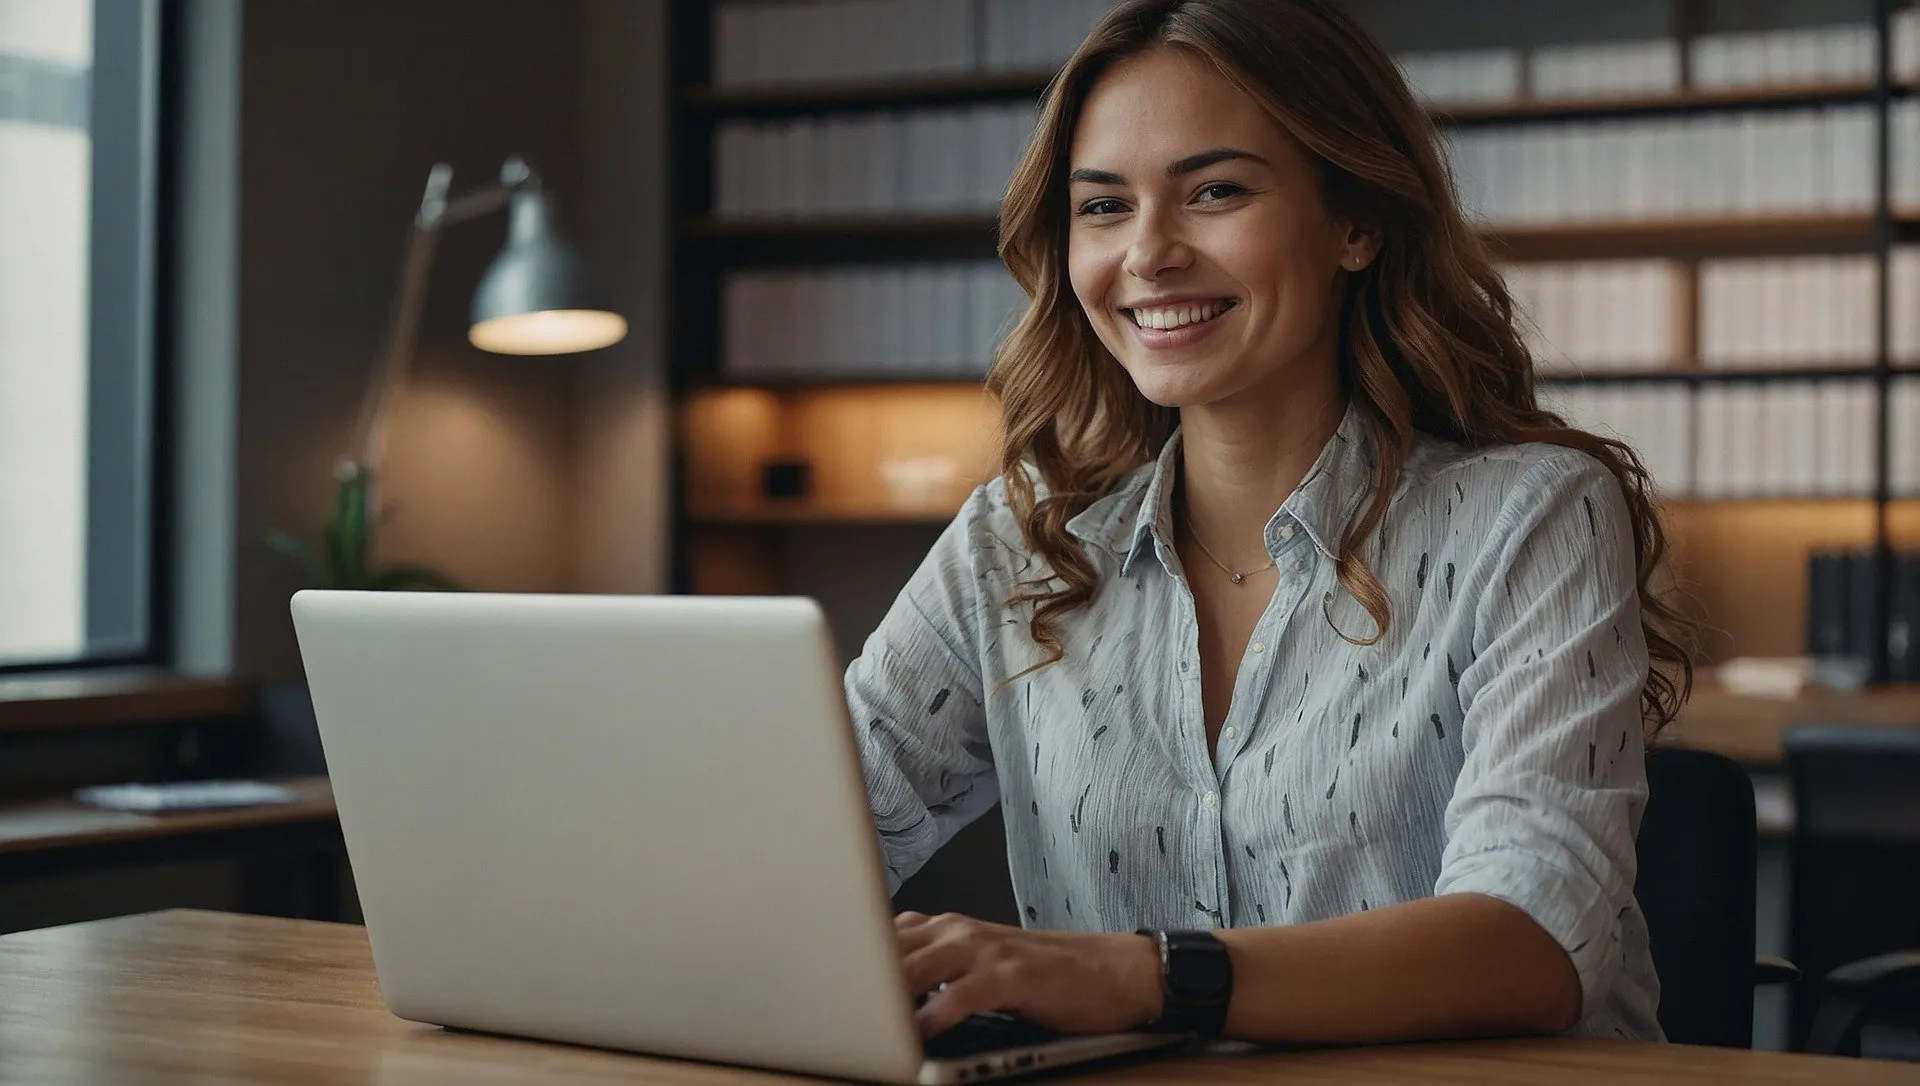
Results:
<point x="1686" y="102"/>
<point x="763" y="241"/>
<point x="800" y="514"/>
<point x="1693" y="236"/>
<point x="1689" y="375"/>
<point x="831" y="380"/>
<point x="967" y="88"/>
<point x="1676" y="373"/>
<point x="785" y="100"/>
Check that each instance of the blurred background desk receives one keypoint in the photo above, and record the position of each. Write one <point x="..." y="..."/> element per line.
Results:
<point x="1748" y="729"/>
<point x="62" y="861"/>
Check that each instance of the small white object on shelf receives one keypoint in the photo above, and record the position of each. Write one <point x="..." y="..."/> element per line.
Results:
<point x="183" y="795"/>
<point x="915" y="482"/>
<point x="1780" y="677"/>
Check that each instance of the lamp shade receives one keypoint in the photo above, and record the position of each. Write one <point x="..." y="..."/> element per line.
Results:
<point x="539" y="296"/>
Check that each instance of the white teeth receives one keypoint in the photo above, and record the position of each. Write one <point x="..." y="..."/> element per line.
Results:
<point x="1167" y="318"/>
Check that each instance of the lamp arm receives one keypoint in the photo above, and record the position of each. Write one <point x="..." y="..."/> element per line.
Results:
<point x="475" y="204"/>
<point x="436" y="213"/>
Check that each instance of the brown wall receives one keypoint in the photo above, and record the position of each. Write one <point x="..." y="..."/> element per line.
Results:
<point x="621" y="417"/>
<point x="345" y="104"/>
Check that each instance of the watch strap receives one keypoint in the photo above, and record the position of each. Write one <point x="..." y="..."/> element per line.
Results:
<point x="1196" y="981"/>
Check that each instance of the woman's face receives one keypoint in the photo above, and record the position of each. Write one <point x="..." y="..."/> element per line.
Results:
<point x="1199" y="245"/>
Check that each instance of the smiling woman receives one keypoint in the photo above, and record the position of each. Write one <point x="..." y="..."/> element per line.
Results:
<point x="1167" y="249"/>
<point x="1295" y="635"/>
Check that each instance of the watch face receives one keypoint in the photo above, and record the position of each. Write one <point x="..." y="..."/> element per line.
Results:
<point x="1208" y="973"/>
<point x="1202" y="972"/>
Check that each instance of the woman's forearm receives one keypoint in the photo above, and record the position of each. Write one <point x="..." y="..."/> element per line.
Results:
<point x="1453" y="965"/>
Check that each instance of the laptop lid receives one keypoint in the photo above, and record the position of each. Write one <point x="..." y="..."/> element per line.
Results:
<point x="633" y="822"/>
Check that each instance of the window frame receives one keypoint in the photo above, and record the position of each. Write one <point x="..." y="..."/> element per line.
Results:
<point x="128" y="532"/>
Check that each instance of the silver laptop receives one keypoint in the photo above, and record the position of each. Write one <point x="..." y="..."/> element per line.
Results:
<point x="631" y="822"/>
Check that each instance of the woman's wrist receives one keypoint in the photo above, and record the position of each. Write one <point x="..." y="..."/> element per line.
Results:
<point x="1137" y="978"/>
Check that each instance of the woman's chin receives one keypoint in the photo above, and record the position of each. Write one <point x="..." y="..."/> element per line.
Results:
<point x="1178" y="386"/>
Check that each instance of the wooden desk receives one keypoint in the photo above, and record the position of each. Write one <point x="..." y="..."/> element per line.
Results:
<point x="55" y="836"/>
<point x="116" y="697"/>
<point x="208" y="997"/>
<point x="1748" y="729"/>
<point x="66" y="823"/>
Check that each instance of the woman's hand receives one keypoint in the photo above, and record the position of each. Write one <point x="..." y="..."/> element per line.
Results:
<point x="1074" y="982"/>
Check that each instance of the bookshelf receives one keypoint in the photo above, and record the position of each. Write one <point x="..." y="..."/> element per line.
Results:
<point x="1742" y="542"/>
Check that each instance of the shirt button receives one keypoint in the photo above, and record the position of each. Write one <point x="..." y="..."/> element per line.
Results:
<point x="1286" y="532"/>
<point x="1210" y="800"/>
<point x="1229" y="733"/>
<point x="1259" y="646"/>
<point x="1299" y="565"/>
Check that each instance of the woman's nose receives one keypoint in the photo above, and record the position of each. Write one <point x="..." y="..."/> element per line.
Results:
<point x="1156" y="248"/>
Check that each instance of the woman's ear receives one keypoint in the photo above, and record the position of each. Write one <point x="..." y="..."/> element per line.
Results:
<point x="1361" y="245"/>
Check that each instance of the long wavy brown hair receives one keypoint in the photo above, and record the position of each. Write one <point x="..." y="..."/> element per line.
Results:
<point x="1427" y="343"/>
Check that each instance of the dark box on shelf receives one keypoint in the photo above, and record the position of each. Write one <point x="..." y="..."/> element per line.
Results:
<point x="785" y="479"/>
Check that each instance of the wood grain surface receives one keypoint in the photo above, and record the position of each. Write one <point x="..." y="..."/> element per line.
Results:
<point x="212" y="998"/>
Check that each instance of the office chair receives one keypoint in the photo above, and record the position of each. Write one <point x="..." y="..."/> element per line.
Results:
<point x="287" y="740"/>
<point x="969" y="875"/>
<point x="1695" y="886"/>
<point x="1855" y="887"/>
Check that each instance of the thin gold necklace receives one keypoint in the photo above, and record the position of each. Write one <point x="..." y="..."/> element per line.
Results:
<point x="1235" y="577"/>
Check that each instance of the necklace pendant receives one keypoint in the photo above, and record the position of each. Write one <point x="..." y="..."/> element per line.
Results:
<point x="1236" y="578"/>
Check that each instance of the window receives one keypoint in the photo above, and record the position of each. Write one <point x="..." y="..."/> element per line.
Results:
<point x="78" y="100"/>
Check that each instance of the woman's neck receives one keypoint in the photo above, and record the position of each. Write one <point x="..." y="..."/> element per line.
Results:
<point x="1240" y="461"/>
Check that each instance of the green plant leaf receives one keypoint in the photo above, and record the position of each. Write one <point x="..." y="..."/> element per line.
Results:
<point x="408" y="577"/>
<point x="304" y="553"/>
<point x="348" y="538"/>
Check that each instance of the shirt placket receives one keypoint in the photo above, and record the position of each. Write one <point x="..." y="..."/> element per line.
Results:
<point x="1287" y="545"/>
<point x="1292" y="551"/>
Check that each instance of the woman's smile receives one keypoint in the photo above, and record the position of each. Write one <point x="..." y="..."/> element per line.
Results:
<point x="1170" y="323"/>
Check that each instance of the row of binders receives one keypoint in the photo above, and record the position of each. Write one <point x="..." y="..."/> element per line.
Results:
<point x="1781" y="439"/>
<point x="1799" y="56"/>
<point x="1595" y="315"/>
<point x="930" y="162"/>
<point x="1846" y="592"/>
<point x="1754" y="313"/>
<point x="788" y="42"/>
<point x="889" y="322"/>
<point x="958" y="160"/>
<point x="1579" y="318"/>
<point x="1799" y="311"/>
<point x="842" y="41"/>
<point x="1721" y="164"/>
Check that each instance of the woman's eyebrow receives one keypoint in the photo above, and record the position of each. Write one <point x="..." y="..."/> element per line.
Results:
<point x="1214" y="157"/>
<point x="1187" y="165"/>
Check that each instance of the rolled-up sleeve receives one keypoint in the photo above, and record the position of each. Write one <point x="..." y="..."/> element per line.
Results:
<point x="1553" y="780"/>
<point x="915" y="699"/>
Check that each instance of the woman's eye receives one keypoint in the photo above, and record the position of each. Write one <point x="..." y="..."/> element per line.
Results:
<point x="1104" y="205"/>
<point x="1218" y="190"/>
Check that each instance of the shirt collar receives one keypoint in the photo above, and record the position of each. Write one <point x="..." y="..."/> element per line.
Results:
<point x="1323" y="504"/>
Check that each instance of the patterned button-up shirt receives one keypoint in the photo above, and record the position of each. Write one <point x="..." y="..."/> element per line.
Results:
<point x="1489" y="743"/>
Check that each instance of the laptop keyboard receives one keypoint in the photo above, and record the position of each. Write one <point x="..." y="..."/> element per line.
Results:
<point x="989" y="1031"/>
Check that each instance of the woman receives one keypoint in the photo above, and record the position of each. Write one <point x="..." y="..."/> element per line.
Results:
<point x="1293" y="626"/>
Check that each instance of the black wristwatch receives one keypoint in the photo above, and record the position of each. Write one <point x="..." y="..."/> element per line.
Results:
<point x="1196" y="981"/>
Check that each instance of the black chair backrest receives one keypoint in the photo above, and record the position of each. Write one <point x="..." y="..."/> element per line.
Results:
<point x="1856" y="849"/>
<point x="1696" y="888"/>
